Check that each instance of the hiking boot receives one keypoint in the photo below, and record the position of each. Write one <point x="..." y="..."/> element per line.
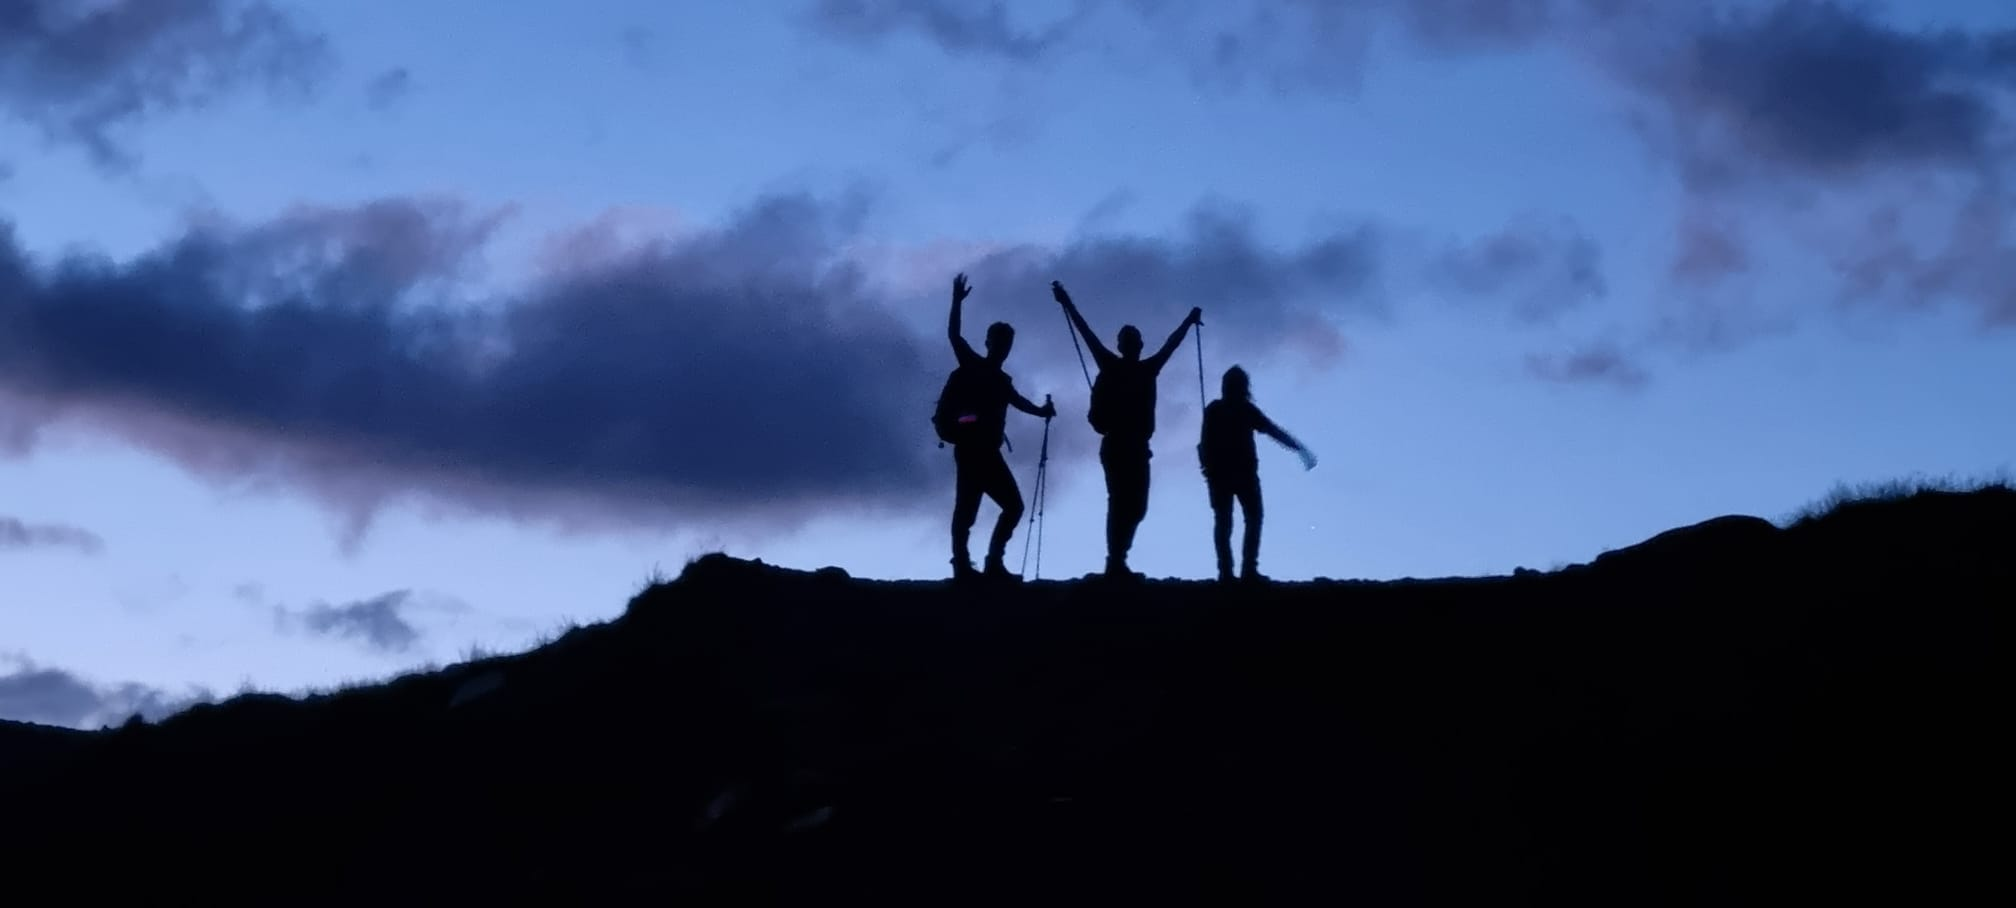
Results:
<point x="962" y="569"/>
<point x="1118" y="570"/>
<point x="998" y="571"/>
<point x="1225" y="575"/>
<point x="1253" y="576"/>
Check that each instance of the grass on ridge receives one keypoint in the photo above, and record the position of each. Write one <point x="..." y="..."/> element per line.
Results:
<point x="1845" y="494"/>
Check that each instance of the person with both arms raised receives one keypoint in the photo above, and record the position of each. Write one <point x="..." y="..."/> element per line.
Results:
<point x="1123" y="411"/>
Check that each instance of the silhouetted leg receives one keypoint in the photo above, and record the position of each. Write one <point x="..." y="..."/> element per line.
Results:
<point x="1110" y="464"/>
<point x="965" y="505"/>
<point x="1126" y="465"/>
<point x="1221" y="526"/>
<point x="1136" y="500"/>
<point x="1250" y="510"/>
<point x="1000" y="486"/>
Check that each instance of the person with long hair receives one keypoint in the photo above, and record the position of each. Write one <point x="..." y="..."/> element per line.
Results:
<point x="1231" y="468"/>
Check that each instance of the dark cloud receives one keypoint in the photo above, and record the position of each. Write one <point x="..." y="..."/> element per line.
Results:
<point x="1764" y="110"/>
<point x="1257" y="298"/>
<point x="388" y="88"/>
<point x="1823" y="89"/>
<point x="1601" y="363"/>
<point x="80" y="71"/>
<point x="50" y="696"/>
<point x="379" y="622"/>
<point x="742" y="373"/>
<point x="1973" y="259"/>
<point x="15" y="534"/>
<point x="1792" y="120"/>
<point x="741" y="378"/>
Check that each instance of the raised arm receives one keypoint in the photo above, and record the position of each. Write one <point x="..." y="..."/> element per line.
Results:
<point x="960" y="348"/>
<point x="1100" y="355"/>
<point x="1196" y="317"/>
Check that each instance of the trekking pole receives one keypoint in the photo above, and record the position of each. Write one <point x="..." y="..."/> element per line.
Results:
<point x="1037" y="488"/>
<point x="1073" y="331"/>
<point x="1042" y="491"/>
<point x="1200" y="364"/>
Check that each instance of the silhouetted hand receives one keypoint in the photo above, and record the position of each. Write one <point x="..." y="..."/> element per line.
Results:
<point x="1196" y="315"/>
<point x="1057" y="291"/>
<point x="1049" y="410"/>
<point x="960" y="288"/>
<point x="1308" y="459"/>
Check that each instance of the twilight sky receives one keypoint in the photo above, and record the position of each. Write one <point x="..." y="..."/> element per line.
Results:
<point x="342" y="336"/>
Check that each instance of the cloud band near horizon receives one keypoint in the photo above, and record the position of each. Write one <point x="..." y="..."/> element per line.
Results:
<point x="750" y="374"/>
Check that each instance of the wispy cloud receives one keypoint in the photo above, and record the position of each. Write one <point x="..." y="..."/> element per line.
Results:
<point x="1600" y="363"/>
<point x="379" y="623"/>
<point x="15" y="534"/>
<point x="81" y="71"/>
<point x="388" y="88"/>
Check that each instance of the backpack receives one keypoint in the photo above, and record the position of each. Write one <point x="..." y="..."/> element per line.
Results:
<point x="959" y="416"/>
<point x="1123" y="385"/>
<point x="1218" y="438"/>
<point x="1096" y="414"/>
<point x="1206" y="436"/>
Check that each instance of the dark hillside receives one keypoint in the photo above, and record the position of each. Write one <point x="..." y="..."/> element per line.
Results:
<point x="1729" y="713"/>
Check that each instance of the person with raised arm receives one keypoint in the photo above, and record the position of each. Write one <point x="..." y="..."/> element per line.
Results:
<point x="972" y="416"/>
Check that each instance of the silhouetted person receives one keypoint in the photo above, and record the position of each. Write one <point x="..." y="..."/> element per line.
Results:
<point x="1232" y="468"/>
<point x="972" y="415"/>
<point x="1123" y="411"/>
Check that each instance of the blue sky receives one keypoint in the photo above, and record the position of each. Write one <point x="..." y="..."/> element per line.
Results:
<point x="1533" y="280"/>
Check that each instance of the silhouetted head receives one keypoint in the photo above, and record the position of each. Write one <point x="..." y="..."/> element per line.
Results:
<point x="1130" y="342"/>
<point x="1000" y="339"/>
<point x="1236" y="386"/>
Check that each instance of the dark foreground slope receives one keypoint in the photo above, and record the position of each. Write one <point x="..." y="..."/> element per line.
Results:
<point x="1728" y="714"/>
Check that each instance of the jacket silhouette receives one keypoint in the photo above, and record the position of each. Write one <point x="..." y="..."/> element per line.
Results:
<point x="1231" y="468"/>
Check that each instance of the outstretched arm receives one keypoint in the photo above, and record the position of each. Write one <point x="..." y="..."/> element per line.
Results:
<point x="1022" y="403"/>
<point x="960" y="348"/>
<point x="1267" y="427"/>
<point x="1100" y="355"/>
<point x="1196" y="317"/>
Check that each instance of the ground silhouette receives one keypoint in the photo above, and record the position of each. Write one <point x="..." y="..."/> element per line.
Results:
<point x="1729" y="713"/>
